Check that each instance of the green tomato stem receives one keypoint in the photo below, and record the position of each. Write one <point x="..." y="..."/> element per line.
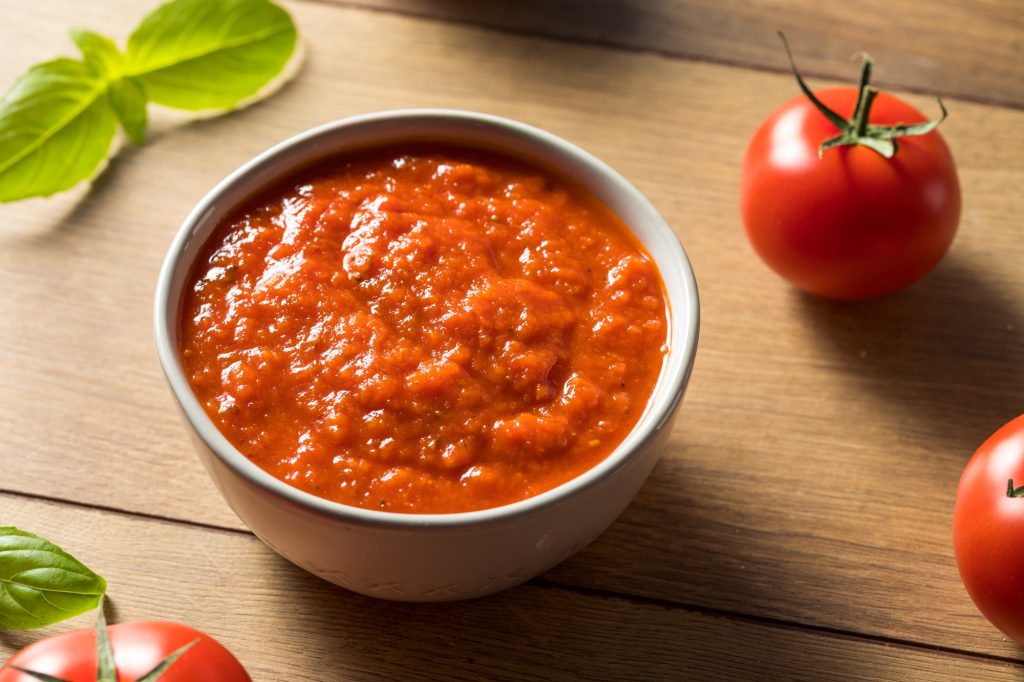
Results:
<point x="859" y="130"/>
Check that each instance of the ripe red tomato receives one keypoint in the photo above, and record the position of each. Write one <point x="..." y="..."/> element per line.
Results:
<point x="138" y="647"/>
<point x="852" y="224"/>
<point x="988" y="528"/>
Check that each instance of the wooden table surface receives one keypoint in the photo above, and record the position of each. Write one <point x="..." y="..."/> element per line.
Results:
<point x="798" y="525"/>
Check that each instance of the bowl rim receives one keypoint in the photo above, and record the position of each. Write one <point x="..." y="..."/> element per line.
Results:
<point x="650" y="422"/>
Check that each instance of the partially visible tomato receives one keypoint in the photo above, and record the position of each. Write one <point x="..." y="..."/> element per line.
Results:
<point x="988" y="528"/>
<point x="138" y="647"/>
<point x="851" y="224"/>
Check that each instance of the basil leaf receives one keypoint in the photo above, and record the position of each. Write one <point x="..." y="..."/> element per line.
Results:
<point x="128" y="98"/>
<point x="100" y="53"/>
<point x="40" y="583"/>
<point x="56" y="125"/>
<point x="57" y="121"/>
<point x="197" y="54"/>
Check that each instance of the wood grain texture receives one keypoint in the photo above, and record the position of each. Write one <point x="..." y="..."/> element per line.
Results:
<point x="972" y="49"/>
<point x="284" y="624"/>
<point x="812" y="473"/>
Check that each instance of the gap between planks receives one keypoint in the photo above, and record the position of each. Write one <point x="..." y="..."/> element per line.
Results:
<point x="546" y="583"/>
<point x="659" y="52"/>
<point x="768" y="621"/>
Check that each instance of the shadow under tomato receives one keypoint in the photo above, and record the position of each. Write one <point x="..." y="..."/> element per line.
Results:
<point x="948" y="351"/>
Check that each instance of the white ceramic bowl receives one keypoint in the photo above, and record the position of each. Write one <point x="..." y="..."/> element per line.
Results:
<point x="433" y="557"/>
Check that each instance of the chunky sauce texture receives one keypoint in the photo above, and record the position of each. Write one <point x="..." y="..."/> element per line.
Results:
<point x="424" y="329"/>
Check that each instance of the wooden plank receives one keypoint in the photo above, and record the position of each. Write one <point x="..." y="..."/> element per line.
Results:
<point x="811" y="476"/>
<point x="950" y="47"/>
<point x="284" y="624"/>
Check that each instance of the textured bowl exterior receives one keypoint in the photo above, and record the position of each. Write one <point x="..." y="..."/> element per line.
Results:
<point x="433" y="557"/>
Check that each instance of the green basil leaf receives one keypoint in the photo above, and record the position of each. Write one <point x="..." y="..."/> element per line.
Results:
<point x="100" y="53"/>
<point x="56" y="125"/>
<point x="197" y="54"/>
<point x="40" y="583"/>
<point x="128" y="98"/>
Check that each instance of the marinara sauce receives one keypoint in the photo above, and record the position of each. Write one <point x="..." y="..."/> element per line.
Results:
<point x="424" y="329"/>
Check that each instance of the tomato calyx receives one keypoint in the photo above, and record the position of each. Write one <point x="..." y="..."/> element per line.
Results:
<point x="858" y="130"/>
<point x="1014" y="492"/>
<point x="106" y="668"/>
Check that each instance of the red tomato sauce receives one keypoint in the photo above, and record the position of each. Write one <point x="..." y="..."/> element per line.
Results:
<point x="424" y="329"/>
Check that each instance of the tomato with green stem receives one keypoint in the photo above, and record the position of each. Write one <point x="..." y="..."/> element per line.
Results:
<point x="988" y="528"/>
<point x="141" y="651"/>
<point x="848" y="193"/>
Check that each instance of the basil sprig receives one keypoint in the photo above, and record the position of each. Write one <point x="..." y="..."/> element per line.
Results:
<point x="57" y="122"/>
<point x="40" y="583"/>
